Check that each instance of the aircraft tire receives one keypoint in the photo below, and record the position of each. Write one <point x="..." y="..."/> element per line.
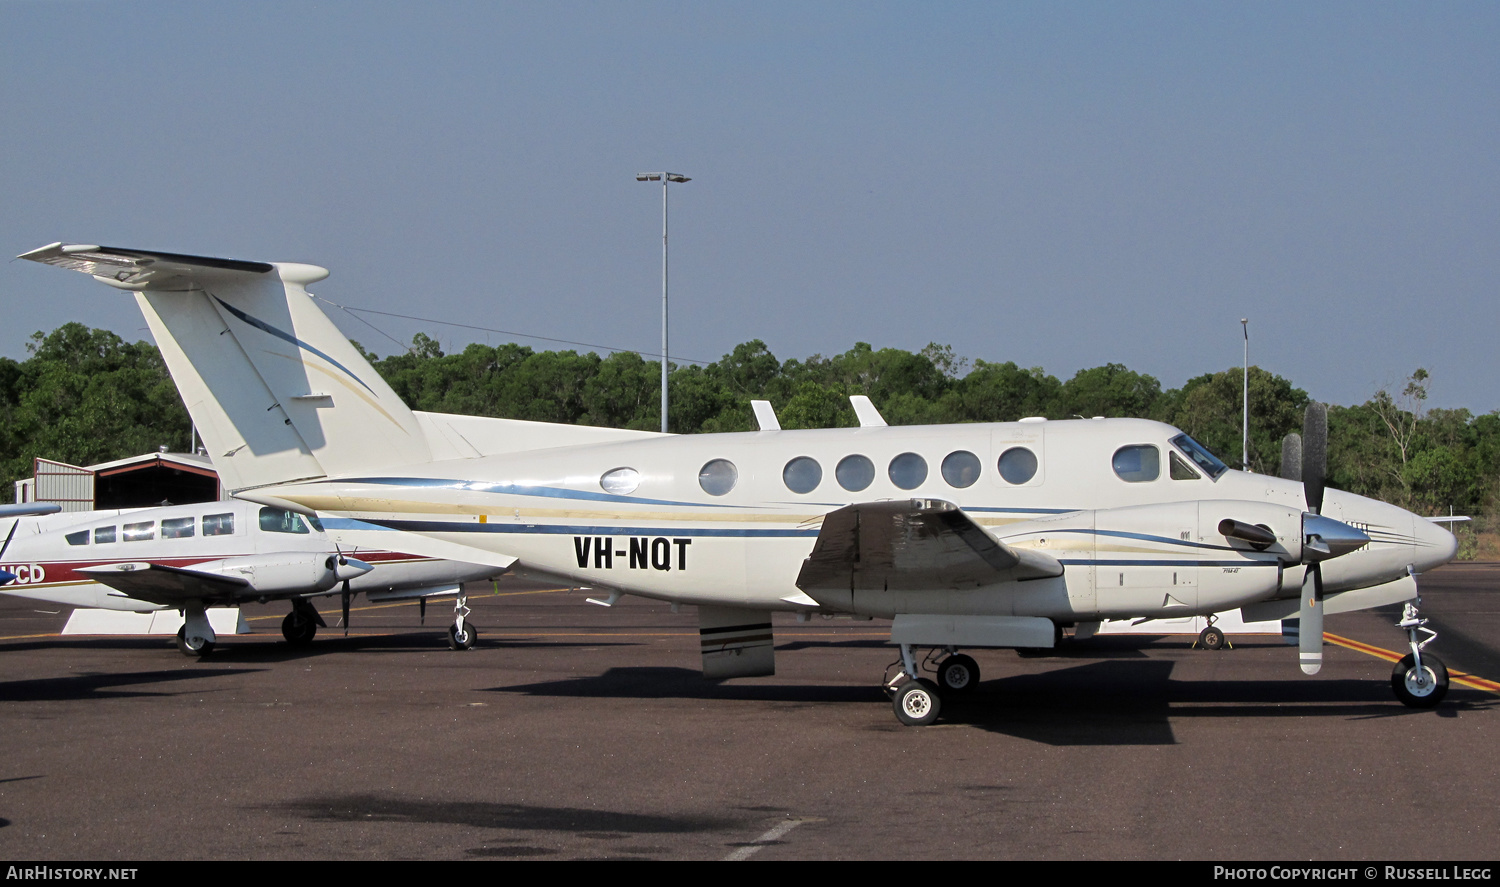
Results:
<point x="917" y="703"/>
<point x="298" y="632"/>
<point x="464" y="640"/>
<point x="959" y="674"/>
<point x="1415" y="691"/>
<point x="1211" y="638"/>
<point x="187" y="649"/>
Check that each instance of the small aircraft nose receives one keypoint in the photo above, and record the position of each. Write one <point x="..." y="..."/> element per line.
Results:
<point x="1432" y="546"/>
<point x="350" y="567"/>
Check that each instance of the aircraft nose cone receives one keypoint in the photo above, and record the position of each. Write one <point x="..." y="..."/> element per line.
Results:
<point x="350" y="568"/>
<point x="6" y="577"/>
<point x="1433" y="545"/>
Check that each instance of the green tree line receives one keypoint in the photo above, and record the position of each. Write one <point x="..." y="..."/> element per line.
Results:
<point x="85" y="396"/>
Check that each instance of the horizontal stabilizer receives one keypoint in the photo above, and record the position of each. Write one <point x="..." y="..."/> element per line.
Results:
<point x="913" y="543"/>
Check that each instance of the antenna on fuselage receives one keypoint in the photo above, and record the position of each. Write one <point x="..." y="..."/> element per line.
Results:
<point x="869" y="417"/>
<point x="765" y="415"/>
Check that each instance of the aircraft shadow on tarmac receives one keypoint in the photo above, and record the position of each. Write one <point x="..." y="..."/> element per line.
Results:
<point x="104" y="686"/>
<point x="1112" y="703"/>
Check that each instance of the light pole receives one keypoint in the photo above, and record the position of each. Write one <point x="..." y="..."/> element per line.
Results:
<point x="1245" y="439"/>
<point x="664" y="178"/>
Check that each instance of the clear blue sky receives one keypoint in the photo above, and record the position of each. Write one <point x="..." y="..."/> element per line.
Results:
<point x="1058" y="184"/>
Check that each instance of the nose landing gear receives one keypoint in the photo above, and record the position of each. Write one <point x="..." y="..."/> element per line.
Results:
<point x="1419" y="680"/>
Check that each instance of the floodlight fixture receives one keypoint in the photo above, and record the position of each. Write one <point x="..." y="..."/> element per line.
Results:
<point x="664" y="178"/>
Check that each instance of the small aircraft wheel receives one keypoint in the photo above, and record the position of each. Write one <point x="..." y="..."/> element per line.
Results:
<point x="1211" y="638"/>
<point x="958" y="674"/>
<point x="917" y="703"/>
<point x="298" y="630"/>
<point x="1420" y="688"/>
<point x="193" y="646"/>
<point x="462" y="640"/>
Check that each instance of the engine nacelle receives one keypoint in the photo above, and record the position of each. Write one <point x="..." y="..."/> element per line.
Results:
<point x="287" y="572"/>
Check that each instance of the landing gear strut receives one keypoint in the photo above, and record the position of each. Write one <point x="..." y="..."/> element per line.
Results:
<point x="461" y="634"/>
<point x="1419" y="680"/>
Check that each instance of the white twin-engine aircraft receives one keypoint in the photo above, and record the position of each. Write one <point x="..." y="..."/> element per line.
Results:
<point x="191" y="557"/>
<point x="974" y="535"/>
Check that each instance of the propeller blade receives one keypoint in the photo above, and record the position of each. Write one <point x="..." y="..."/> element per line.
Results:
<point x="1314" y="455"/>
<point x="1310" y="621"/>
<point x="1291" y="456"/>
<point x="346" y="608"/>
<point x="422" y="609"/>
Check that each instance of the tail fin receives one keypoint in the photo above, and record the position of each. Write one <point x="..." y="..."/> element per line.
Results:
<point x="243" y="339"/>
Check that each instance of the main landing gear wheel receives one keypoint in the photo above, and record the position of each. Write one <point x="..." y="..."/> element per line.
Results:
<point x="462" y="638"/>
<point x="917" y="703"/>
<point x="200" y="647"/>
<point x="1211" y="638"/>
<point x="1421" y="687"/>
<point x="958" y="674"/>
<point x="298" y="629"/>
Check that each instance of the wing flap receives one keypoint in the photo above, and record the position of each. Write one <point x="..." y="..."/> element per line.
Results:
<point x="914" y="543"/>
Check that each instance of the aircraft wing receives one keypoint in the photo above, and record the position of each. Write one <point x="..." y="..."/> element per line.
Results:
<point x="159" y="584"/>
<point x="915" y="544"/>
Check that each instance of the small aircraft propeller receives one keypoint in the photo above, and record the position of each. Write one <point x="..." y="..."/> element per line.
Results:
<point x="1314" y="458"/>
<point x="346" y="607"/>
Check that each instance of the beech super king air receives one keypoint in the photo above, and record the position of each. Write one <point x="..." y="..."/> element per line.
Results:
<point x="983" y="535"/>
<point x="191" y="557"/>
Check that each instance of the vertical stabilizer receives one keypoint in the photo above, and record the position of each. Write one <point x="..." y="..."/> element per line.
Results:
<point x="243" y="340"/>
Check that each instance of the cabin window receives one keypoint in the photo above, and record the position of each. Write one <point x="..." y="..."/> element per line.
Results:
<point x="139" y="532"/>
<point x="620" y="481"/>
<point x="79" y="538"/>
<point x="908" y="470"/>
<point x="802" y="474"/>
<point x="1137" y="463"/>
<point x="177" y="528"/>
<point x="218" y="524"/>
<point x="961" y="469"/>
<point x="718" y="477"/>
<point x="854" y="473"/>
<point x="279" y="520"/>
<point x="1180" y="470"/>
<point x="103" y="535"/>
<point x="1017" y="465"/>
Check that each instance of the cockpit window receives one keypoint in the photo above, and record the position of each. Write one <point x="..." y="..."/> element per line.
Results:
<point x="276" y="520"/>
<point x="1137" y="463"/>
<point x="1200" y="456"/>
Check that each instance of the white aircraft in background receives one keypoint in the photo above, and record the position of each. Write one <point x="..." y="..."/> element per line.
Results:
<point x="983" y="535"/>
<point x="191" y="557"/>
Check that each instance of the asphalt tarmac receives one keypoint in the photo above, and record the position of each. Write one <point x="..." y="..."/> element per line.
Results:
<point x="576" y="732"/>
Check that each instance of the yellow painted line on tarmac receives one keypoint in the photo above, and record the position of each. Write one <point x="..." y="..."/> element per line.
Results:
<point x="1460" y="677"/>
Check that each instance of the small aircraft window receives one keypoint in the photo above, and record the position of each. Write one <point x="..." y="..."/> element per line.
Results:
<point x="961" y="469"/>
<point x="139" y="532"/>
<point x="1017" y="465"/>
<point x="313" y="519"/>
<point x="218" y="524"/>
<point x="177" y="528"/>
<point x="79" y="538"/>
<point x="279" y="520"/>
<point x="620" y="481"/>
<point x="1212" y="465"/>
<point x="908" y="470"/>
<point x="103" y="535"/>
<point x="718" y="477"/>
<point x="1180" y="469"/>
<point x="1137" y="463"/>
<point x="854" y="473"/>
<point x="802" y="474"/>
